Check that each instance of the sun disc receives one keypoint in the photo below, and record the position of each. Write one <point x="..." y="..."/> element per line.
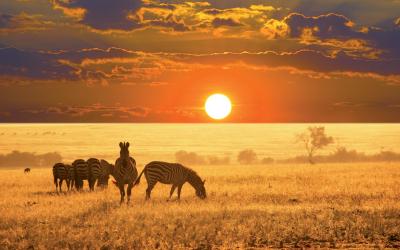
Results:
<point x="218" y="106"/>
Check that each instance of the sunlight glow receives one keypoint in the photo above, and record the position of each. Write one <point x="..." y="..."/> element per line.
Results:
<point x="218" y="106"/>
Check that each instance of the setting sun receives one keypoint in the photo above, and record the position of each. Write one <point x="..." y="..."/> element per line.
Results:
<point x="218" y="106"/>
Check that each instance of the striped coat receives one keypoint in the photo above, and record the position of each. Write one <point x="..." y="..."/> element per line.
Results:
<point x="81" y="172"/>
<point x="71" y="176"/>
<point x="60" y="173"/>
<point x="171" y="173"/>
<point x="106" y="169"/>
<point x="125" y="171"/>
<point x="94" y="171"/>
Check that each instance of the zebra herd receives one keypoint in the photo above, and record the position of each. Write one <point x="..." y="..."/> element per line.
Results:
<point x="125" y="173"/>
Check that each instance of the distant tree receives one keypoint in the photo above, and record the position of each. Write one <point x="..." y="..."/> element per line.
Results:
<point x="189" y="158"/>
<point x="247" y="156"/>
<point x="314" y="139"/>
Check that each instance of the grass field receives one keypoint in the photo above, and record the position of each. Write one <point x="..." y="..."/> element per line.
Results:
<point x="326" y="205"/>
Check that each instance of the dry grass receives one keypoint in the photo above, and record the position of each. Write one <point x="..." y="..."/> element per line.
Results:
<point x="327" y="205"/>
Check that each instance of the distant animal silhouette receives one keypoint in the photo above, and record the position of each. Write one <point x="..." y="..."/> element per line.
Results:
<point x="171" y="173"/>
<point x="125" y="171"/>
<point x="81" y="172"/>
<point x="27" y="170"/>
<point x="60" y="173"/>
<point x="94" y="171"/>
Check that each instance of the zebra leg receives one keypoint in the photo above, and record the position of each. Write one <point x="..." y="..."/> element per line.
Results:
<point x="179" y="191"/>
<point x="122" y="192"/>
<point x="61" y="181"/>
<point x="172" y="191"/>
<point x="150" y="187"/>
<point x="91" y="185"/>
<point x="68" y="182"/>
<point x="129" y="191"/>
<point x="56" y="182"/>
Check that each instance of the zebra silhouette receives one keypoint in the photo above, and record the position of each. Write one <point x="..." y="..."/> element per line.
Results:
<point x="125" y="171"/>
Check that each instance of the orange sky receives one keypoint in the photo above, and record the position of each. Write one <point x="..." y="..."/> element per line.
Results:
<point x="157" y="61"/>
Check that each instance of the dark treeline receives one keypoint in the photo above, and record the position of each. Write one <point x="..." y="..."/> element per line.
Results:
<point x="250" y="157"/>
<point x="27" y="159"/>
<point x="245" y="157"/>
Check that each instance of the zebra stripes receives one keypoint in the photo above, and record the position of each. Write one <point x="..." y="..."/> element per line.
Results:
<point x="106" y="170"/>
<point x="125" y="171"/>
<point x="71" y="176"/>
<point x="171" y="173"/>
<point x="81" y="173"/>
<point x="94" y="171"/>
<point x="60" y="173"/>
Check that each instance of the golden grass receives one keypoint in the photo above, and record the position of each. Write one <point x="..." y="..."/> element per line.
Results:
<point x="327" y="205"/>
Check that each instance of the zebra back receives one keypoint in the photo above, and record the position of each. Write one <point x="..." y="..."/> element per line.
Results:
<point x="70" y="171"/>
<point x="94" y="168"/>
<point x="81" y="169"/>
<point x="60" y="171"/>
<point x="106" y="169"/>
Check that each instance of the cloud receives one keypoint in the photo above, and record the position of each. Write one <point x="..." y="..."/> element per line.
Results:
<point x="103" y="14"/>
<point x="337" y="32"/>
<point x="325" y="26"/>
<point x="218" y="22"/>
<point x="23" y="22"/>
<point x="116" y="66"/>
<point x="76" y="113"/>
<point x="35" y="65"/>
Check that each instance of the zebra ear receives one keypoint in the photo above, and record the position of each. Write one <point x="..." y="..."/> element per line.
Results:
<point x="121" y="144"/>
<point x="204" y="181"/>
<point x="127" y="145"/>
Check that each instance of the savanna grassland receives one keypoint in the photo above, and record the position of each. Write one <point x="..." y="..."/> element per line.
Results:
<point x="281" y="205"/>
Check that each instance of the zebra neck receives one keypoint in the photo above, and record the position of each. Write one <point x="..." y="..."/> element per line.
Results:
<point x="193" y="180"/>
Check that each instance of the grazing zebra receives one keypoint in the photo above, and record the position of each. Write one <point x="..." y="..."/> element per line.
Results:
<point x="81" y="173"/>
<point x="125" y="171"/>
<point x="94" y="171"/>
<point x="27" y="170"/>
<point x="106" y="169"/>
<point x="71" y="176"/>
<point x="171" y="173"/>
<point x="60" y="173"/>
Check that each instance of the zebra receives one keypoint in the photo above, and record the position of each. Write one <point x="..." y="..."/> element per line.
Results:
<point x="106" y="169"/>
<point x="60" y="173"/>
<point x="81" y="173"/>
<point x="171" y="173"/>
<point x="71" y="176"/>
<point x="94" y="171"/>
<point x="125" y="171"/>
<point x="27" y="170"/>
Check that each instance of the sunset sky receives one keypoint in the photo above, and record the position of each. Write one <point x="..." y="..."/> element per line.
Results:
<point x="158" y="61"/>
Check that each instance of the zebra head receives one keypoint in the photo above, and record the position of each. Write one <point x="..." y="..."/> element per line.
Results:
<point x="124" y="152"/>
<point x="201" y="190"/>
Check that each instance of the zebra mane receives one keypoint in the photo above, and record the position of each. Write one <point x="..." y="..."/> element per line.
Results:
<point x="193" y="174"/>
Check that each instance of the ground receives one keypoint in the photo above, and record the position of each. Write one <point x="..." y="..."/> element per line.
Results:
<point x="278" y="205"/>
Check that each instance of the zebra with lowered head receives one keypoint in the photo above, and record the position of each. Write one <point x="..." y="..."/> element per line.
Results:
<point x="171" y="173"/>
<point x="125" y="171"/>
<point x="81" y="173"/>
<point x="94" y="171"/>
<point x="106" y="169"/>
<point x="71" y="176"/>
<point x="60" y="173"/>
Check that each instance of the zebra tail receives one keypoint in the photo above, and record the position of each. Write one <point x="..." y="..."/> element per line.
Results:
<point x="137" y="181"/>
